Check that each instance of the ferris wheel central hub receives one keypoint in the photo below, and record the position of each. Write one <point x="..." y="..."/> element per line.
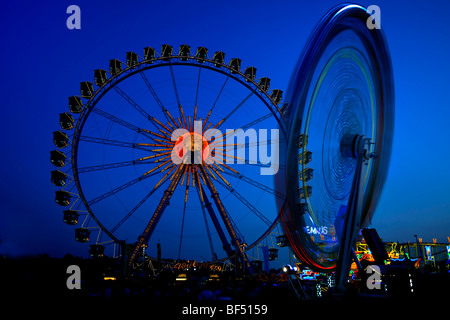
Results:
<point x="192" y="148"/>
<point x="351" y="145"/>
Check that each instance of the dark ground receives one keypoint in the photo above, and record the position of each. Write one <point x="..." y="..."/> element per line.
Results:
<point x="38" y="285"/>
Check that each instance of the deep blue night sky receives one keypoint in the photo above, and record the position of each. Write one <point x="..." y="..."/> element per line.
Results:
<point x="43" y="63"/>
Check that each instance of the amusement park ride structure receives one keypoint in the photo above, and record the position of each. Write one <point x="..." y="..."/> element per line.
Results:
<point x="182" y="148"/>
<point x="337" y="121"/>
<point x="341" y="109"/>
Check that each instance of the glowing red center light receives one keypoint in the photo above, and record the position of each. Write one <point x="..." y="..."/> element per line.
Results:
<point x="193" y="142"/>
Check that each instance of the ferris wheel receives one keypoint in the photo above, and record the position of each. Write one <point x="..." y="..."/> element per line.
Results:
<point x="146" y="153"/>
<point x="341" y="119"/>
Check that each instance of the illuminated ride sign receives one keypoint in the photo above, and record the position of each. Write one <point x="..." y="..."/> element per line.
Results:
<point x="193" y="264"/>
<point x="316" y="230"/>
<point x="183" y="265"/>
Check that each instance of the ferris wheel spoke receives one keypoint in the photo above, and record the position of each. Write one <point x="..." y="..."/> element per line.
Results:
<point x="132" y="211"/>
<point x="255" y="183"/>
<point x="132" y="102"/>
<point x="114" y="165"/>
<point x="166" y="138"/>
<point x="228" y="133"/>
<point x="162" y="127"/>
<point x="114" y="143"/>
<point x="230" y="156"/>
<point x="177" y="125"/>
<point x="118" y="189"/>
<point x="121" y="122"/>
<point x="249" y="162"/>
<point x="210" y="167"/>
<point x="241" y="198"/>
<point x="215" y="102"/>
<point x="234" y="110"/>
<point x="256" y="121"/>
<point x="257" y="144"/>
<point x="199" y="185"/>
<point x="155" y="96"/>
<point x="184" y="118"/>
<point x="175" y="89"/>
<point x="196" y="92"/>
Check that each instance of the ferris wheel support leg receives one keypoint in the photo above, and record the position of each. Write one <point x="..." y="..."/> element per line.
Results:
<point x="223" y="238"/>
<point x="234" y="238"/>
<point x="143" y="239"/>
<point x="352" y="220"/>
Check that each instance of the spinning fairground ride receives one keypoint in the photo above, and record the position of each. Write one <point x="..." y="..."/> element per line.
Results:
<point x="173" y="148"/>
<point x="341" y="117"/>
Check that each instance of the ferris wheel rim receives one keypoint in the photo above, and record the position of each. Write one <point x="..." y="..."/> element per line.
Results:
<point x="142" y="66"/>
